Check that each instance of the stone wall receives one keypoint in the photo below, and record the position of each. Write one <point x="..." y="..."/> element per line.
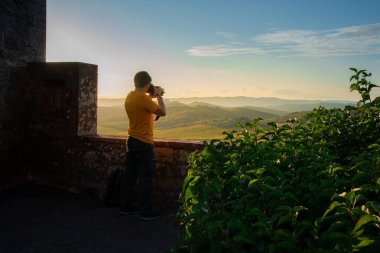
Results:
<point x="84" y="164"/>
<point x="22" y="40"/>
<point x="171" y="166"/>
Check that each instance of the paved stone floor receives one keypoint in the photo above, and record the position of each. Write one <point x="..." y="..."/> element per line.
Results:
<point x="42" y="219"/>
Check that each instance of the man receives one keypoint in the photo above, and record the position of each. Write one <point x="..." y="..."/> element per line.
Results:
<point x="140" y="155"/>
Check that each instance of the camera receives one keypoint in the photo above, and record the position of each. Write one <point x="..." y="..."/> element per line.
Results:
<point x="155" y="90"/>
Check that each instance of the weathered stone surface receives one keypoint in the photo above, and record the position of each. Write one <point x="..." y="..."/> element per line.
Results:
<point x="22" y="40"/>
<point x="87" y="162"/>
<point x="56" y="92"/>
<point x="87" y="112"/>
<point x="22" y="31"/>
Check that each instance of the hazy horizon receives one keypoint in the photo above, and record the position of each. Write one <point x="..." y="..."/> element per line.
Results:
<point x="168" y="98"/>
<point x="289" y="50"/>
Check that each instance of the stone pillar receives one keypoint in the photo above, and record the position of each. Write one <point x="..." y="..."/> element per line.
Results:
<point x="22" y="40"/>
<point x="62" y="102"/>
<point x="63" y="98"/>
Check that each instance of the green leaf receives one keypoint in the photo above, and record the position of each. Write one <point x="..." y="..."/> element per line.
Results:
<point x="217" y="187"/>
<point x="187" y="180"/>
<point x="290" y="197"/>
<point x="188" y="194"/>
<point x="373" y="145"/>
<point x="371" y="85"/>
<point x="256" y="172"/>
<point x="338" y="169"/>
<point x="362" y="221"/>
<point x="285" y="209"/>
<point x="284" y="219"/>
<point x="354" y="69"/>
<point x="189" y="188"/>
<point x="364" y="243"/>
<point x="357" y="233"/>
<point x="351" y="197"/>
<point x="253" y="181"/>
<point x="243" y="239"/>
<point x="373" y="207"/>
<point x="349" y="107"/>
<point x="339" y="225"/>
<point x="332" y="207"/>
<point x="354" y="86"/>
<point x="301" y="227"/>
<point x="297" y="209"/>
<point x="334" y="235"/>
<point x="362" y="177"/>
<point x="275" y="171"/>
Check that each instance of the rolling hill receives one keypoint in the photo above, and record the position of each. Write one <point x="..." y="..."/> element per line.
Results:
<point x="198" y="118"/>
<point x="186" y="120"/>
<point x="277" y="104"/>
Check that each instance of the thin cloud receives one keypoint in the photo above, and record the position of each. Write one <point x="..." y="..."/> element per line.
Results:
<point x="348" y="41"/>
<point x="227" y="35"/>
<point x="231" y="38"/>
<point x="221" y="50"/>
<point x="354" y="40"/>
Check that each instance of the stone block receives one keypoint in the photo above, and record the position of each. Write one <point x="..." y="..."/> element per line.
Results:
<point x="164" y="155"/>
<point x="62" y="106"/>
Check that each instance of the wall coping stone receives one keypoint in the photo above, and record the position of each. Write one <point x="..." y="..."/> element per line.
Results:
<point x="159" y="143"/>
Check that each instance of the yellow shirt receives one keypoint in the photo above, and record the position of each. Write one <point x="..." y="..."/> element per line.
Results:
<point x="140" y="109"/>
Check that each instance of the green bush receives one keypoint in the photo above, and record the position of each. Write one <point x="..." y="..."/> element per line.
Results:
<point x="312" y="185"/>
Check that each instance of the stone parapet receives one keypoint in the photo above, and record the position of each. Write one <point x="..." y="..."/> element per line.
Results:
<point x="84" y="164"/>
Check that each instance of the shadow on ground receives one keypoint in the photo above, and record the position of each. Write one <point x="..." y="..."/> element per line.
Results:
<point x="36" y="218"/>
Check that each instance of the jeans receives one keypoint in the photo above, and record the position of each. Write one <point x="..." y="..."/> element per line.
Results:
<point x="140" y="166"/>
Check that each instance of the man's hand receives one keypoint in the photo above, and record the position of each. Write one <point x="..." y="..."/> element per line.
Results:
<point x="161" y="111"/>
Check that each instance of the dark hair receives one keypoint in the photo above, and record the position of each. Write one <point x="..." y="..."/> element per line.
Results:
<point x="142" y="78"/>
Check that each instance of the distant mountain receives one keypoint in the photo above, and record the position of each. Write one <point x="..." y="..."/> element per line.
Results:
<point x="277" y="105"/>
<point x="308" y="107"/>
<point x="110" y="102"/>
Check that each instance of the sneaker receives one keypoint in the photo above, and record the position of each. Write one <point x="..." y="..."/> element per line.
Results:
<point x="129" y="211"/>
<point x="152" y="215"/>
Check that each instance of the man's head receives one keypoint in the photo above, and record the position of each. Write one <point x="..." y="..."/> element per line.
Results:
<point x="142" y="79"/>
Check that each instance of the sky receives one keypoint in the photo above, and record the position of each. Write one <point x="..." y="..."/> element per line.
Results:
<point x="294" y="49"/>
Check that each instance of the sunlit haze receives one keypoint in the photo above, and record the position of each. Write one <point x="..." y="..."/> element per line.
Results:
<point x="288" y="49"/>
